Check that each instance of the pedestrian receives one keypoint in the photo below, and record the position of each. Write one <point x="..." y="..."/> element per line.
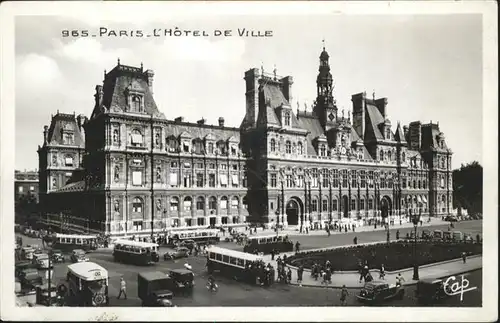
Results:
<point x="464" y="257"/>
<point x="123" y="288"/>
<point x="297" y="246"/>
<point x="353" y="228"/>
<point x="399" y="280"/>
<point x="343" y="296"/>
<point x="300" y="271"/>
<point x="345" y="229"/>
<point x="355" y="240"/>
<point x="397" y="235"/>
<point x="289" y="275"/>
<point x="382" y="272"/>
<point x="388" y="236"/>
<point x="272" y="254"/>
<point x="400" y="222"/>
<point x="307" y="229"/>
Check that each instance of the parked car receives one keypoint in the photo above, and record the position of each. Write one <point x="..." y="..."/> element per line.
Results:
<point x="22" y="265"/>
<point x="42" y="261"/>
<point x="430" y="291"/>
<point x="57" y="256"/>
<point x="29" y="278"/>
<point x="188" y="244"/>
<point x="426" y="234"/>
<point x="450" y="218"/>
<point x="78" y="255"/>
<point x="180" y="252"/>
<point x="376" y="292"/>
<point x="44" y="294"/>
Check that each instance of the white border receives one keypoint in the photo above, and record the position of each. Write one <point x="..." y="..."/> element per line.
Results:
<point x="125" y="11"/>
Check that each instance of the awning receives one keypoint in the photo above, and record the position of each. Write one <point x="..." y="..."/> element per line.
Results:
<point x="223" y="179"/>
<point x="234" y="179"/>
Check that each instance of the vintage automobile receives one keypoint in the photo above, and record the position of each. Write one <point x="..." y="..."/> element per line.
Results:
<point x="377" y="291"/>
<point x="450" y="218"/>
<point x="180" y="252"/>
<point x="447" y="236"/>
<point x="22" y="265"/>
<point x="78" y="255"/>
<point x="42" y="261"/>
<point x="48" y="296"/>
<point x="426" y="234"/>
<point x="57" y="256"/>
<point x="29" y="279"/>
<point x="153" y="289"/>
<point x="430" y="291"/>
<point x="181" y="280"/>
<point x="27" y="252"/>
<point x="437" y="235"/>
<point x="188" y="244"/>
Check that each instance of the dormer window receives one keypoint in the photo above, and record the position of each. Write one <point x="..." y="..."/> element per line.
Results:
<point x="221" y="147"/>
<point x="322" y="150"/>
<point x="185" y="147"/>
<point x="172" y="144"/>
<point x="136" y="139"/>
<point x="136" y="103"/>
<point x="381" y="155"/>
<point x="68" y="139"/>
<point x="388" y="134"/>
<point x="287" y="119"/>
<point x="210" y="147"/>
<point x="233" y="151"/>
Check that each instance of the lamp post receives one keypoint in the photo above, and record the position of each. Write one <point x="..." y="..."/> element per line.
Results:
<point x="48" y="243"/>
<point x="330" y="201"/>
<point x="359" y="196"/>
<point x="415" y="219"/>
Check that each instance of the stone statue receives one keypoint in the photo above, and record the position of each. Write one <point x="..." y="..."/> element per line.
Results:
<point x="117" y="205"/>
<point x="158" y="205"/>
<point x="54" y="160"/>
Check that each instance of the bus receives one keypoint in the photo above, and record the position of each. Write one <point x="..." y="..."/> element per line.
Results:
<point x="135" y="252"/>
<point x="87" y="285"/>
<point x="265" y="244"/>
<point x="68" y="242"/>
<point x="201" y="236"/>
<point x="236" y="264"/>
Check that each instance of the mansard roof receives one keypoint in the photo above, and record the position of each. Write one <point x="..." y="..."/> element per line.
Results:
<point x="60" y="123"/>
<point x="375" y="118"/>
<point x="271" y="99"/>
<point x="310" y="123"/>
<point x="195" y="130"/>
<point x="399" y="135"/>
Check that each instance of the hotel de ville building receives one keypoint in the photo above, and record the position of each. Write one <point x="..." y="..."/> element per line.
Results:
<point x="127" y="170"/>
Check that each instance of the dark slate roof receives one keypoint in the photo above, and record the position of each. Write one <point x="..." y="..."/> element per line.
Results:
<point x="271" y="99"/>
<point x="197" y="131"/>
<point x="115" y="84"/>
<point x="310" y="123"/>
<point x="375" y="118"/>
<point x="67" y="121"/>
<point x="72" y="187"/>
<point x="399" y="135"/>
<point x="430" y="133"/>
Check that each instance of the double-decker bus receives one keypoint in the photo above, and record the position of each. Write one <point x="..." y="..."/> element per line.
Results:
<point x="236" y="264"/>
<point x="87" y="285"/>
<point x="265" y="244"/>
<point x="135" y="252"/>
<point x="200" y="236"/>
<point x="68" y="242"/>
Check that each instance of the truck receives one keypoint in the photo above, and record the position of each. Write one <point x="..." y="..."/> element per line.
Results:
<point x="153" y="289"/>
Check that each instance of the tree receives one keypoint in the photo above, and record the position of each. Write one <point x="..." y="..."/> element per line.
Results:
<point x="468" y="187"/>
<point x="25" y="208"/>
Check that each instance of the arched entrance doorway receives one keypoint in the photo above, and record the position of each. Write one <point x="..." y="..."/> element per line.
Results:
<point x="293" y="211"/>
<point x="385" y="206"/>
<point x="345" y="206"/>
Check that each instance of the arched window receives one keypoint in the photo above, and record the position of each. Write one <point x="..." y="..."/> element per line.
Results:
<point x="187" y="203"/>
<point x="235" y="203"/>
<point x="381" y="155"/>
<point x="222" y="147"/>
<point x="212" y="203"/>
<point x="137" y="205"/>
<point x="200" y="203"/>
<point x="174" y="204"/>
<point x="288" y="147"/>
<point x="223" y="203"/>
<point x="424" y="184"/>
<point x="300" y="148"/>
<point x="324" y="205"/>
<point x="136" y="103"/>
<point x="414" y="184"/>
<point x="287" y="119"/>
<point x="273" y="145"/>
<point x="419" y="184"/>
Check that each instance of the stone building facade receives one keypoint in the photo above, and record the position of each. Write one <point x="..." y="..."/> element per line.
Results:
<point x="142" y="173"/>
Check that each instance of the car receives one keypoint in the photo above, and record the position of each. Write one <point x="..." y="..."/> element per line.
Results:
<point x="180" y="252"/>
<point x="377" y="291"/>
<point x="57" y="256"/>
<point x="78" y="255"/>
<point x="29" y="278"/>
<point x="22" y="265"/>
<point x="181" y="280"/>
<point x="188" y="244"/>
<point x="430" y="291"/>
<point x="450" y="218"/>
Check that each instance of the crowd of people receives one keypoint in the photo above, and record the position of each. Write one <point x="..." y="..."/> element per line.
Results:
<point x="260" y="273"/>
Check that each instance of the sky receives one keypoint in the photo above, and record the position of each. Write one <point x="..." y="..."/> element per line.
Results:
<point x="428" y="66"/>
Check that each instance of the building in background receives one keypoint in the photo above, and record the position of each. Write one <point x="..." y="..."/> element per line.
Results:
<point x="139" y="173"/>
<point x="25" y="183"/>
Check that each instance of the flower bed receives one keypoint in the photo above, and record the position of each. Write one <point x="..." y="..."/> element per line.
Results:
<point x="394" y="256"/>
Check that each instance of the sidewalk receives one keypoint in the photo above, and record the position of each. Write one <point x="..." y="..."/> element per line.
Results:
<point x="351" y="279"/>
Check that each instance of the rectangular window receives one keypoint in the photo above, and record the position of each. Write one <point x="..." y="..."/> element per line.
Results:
<point x="224" y="220"/>
<point x="187" y="181"/>
<point x="289" y="181"/>
<point x="136" y="139"/>
<point x="199" y="165"/>
<point x="32" y="188"/>
<point x="370" y="204"/>
<point x="325" y="205"/>
<point x="211" y="180"/>
<point x="68" y="161"/>
<point x="173" y="165"/>
<point x="274" y="181"/>
<point x="211" y="166"/>
<point x="362" y="204"/>
<point x="334" y="205"/>
<point x="199" y="180"/>
<point x="223" y="204"/>
<point x="272" y="205"/>
<point x="353" y="204"/>
<point x="189" y="222"/>
<point x="173" y="179"/>
<point x="223" y="166"/>
<point x="235" y="166"/>
<point x="201" y="221"/>
<point x="137" y="178"/>
<point x="314" y="205"/>
<point x="223" y="180"/>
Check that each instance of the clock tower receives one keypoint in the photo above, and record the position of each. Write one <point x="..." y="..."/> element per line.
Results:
<point x="325" y="107"/>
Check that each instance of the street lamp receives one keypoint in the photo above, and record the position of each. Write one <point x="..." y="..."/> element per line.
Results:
<point x="415" y="219"/>
<point x="359" y="196"/>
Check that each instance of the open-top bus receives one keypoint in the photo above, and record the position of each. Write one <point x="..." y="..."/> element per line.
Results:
<point x="265" y="244"/>
<point x="239" y="265"/>
<point x="135" y="252"/>
<point x="68" y="242"/>
<point x="87" y="285"/>
<point x="201" y="236"/>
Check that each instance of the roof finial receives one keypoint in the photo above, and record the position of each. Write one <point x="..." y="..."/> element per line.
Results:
<point x="274" y="71"/>
<point x="323" y="41"/>
<point x="141" y="66"/>
<point x="348" y="115"/>
<point x="373" y="94"/>
<point x="342" y="112"/>
<point x="118" y="60"/>
<point x="262" y="68"/>
<point x="104" y="73"/>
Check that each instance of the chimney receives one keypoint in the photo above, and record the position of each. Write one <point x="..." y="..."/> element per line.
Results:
<point x="150" y="74"/>
<point x="221" y="122"/>
<point x="201" y="121"/>
<point x="45" y="133"/>
<point x="381" y="106"/>
<point x="252" y="77"/>
<point x="405" y="131"/>
<point x="98" y="95"/>
<point x="179" y="119"/>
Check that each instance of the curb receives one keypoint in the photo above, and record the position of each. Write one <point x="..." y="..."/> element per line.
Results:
<point x="410" y="283"/>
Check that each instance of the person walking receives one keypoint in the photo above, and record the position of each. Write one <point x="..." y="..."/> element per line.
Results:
<point x="397" y="235"/>
<point x="272" y="254"/>
<point x="382" y="272"/>
<point x="343" y="296"/>
<point x="355" y="240"/>
<point x="464" y="257"/>
<point x="300" y="272"/>
<point x="123" y="288"/>
<point x="297" y="246"/>
<point x="399" y="280"/>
